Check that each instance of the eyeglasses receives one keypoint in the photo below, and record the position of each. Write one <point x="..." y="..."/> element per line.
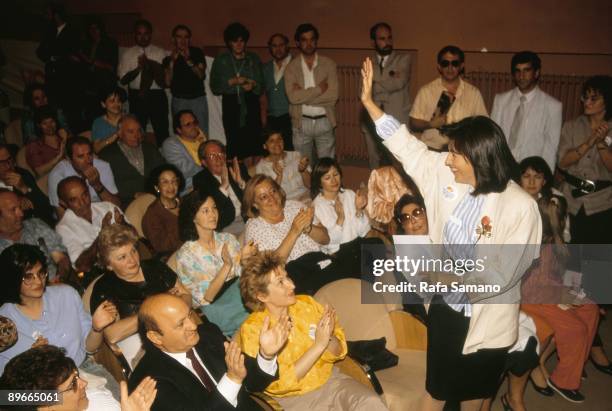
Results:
<point x="264" y="196"/>
<point x="74" y="384"/>
<point x="216" y="156"/>
<point x="416" y="214"/>
<point x="28" y="278"/>
<point x="6" y="161"/>
<point x="446" y="63"/>
<point x="593" y="98"/>
<point x="190" y="123"/>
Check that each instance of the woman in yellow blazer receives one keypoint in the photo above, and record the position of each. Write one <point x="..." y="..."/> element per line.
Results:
<point x="471" y="200"/>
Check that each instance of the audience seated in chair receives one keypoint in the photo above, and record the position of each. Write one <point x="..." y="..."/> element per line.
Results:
<point x="209" y="263"/>
<point x="225" y="182"/>
<point x="194" y="366"/>
<point x="307" y="377"/>
<point x="127" y="282"/>
<point x="104" y="130"/>
<point x="34" y="98"/>
<point x="160" y="221"/>
<point x="80" y="161"/>
<point x="45" y="152"/>
<point x="22" y="182"/>
<point x="131" y="159"/>
<point x="15" y="229"/>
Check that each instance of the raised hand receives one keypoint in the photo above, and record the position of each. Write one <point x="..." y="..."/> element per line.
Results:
<point x="234" y="359"/>
<point x="234" y="171"/>
<point x="225" y="255"/>
<point x="367" y="75"/>
<point x="224" y="177"/>
<point x="142" y="397"/>
<point x="272" y="339"/>
<point x="105" y="315"/>
<point x="107" y="219"/>
<point x="361" y="200"/>
<point x="303" y="164"/>
<point x="119" y="217"/>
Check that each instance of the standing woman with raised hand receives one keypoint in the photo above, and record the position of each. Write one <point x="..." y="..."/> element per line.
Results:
<point x="471" y="199"/>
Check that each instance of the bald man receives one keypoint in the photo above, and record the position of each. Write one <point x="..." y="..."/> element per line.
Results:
<point x="131" y="159"/>
<point x="194" y="366"/>
<point x="82" y="221"/>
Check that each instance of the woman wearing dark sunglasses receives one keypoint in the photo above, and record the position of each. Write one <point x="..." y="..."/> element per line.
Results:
<point x="472" y="200"/>
<point x="410" y="214"/>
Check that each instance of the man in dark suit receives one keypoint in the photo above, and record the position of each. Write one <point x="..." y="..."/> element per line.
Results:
<point x="225" y="184"/>
<point x="131" y="159"/>
<point x="194" y="366"/>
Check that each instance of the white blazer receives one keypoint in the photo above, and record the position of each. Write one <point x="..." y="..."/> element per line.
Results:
<point x="514" y="220"/>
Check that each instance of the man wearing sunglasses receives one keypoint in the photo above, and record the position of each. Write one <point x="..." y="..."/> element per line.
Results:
<point x="530" y="118"/>
<point x="445" y="100"/>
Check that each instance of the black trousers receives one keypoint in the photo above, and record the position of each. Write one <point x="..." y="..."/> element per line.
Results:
<point x="283" y="123"/>
<point x="153" y="105"/>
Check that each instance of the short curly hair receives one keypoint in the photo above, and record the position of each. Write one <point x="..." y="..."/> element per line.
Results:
<point x="234" y="31"/>
<point x="153" y="179"/>
<point x="112" y="237"/>
<point x="41" y="368"/>
<point x="255" y="277"/>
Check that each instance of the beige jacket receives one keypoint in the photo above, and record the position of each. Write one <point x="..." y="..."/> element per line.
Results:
<point x="325" y="70"/>
<point x="515" y="227"/>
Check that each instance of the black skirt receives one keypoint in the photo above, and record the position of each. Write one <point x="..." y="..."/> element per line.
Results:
<point x="451" y="375"/>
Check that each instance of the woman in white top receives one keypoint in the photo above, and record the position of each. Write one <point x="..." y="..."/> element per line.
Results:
<point x="472" y="200"/>
<point x="339" y="209"/>
<point x="288" y="168"/>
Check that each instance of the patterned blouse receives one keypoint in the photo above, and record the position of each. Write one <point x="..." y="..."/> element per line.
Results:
<point x="305" y="315"/>
<point x="197" y="267"/>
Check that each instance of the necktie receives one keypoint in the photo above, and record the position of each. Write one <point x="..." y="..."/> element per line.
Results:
<point x="199" y="369"/>
<point x="517" y="123"/>
<point x="380" y="63"/>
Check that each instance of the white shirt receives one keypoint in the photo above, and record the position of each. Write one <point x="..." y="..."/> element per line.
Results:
<point x="226" y="387"/>
<point x="309" y="82"/>
<point x="280" y="71"/>
<point x="541" y="130"/>
<point x="292" y="181"/>
<point x="77" y="233"/>
<point x="60" y="29"/>
<point x="129" y="61"/>
<point x="353" y="226"/>
<point x="100" y="398"/>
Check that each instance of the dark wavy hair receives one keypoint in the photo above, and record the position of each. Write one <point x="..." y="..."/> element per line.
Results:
<point x="305" y="28"/>
<point x="41" y="368"/>
<point x="28" y="94"/>
<point x="404" y="201"/>
<point x="234" y="31"/>
<point x="454" y="50"/>
<point x="15" y="261"/>
<point x="75" y="141"/>
<point x="524" y="57"/>
<point x="191" y="204"/>
<point x="153" y="179"/>
<point x="602" y="85"/>
<point x="320" y="169"/>
<point x="484" y="145"/>
<point x="539" y="165"/>
<point x="43" y="113"/>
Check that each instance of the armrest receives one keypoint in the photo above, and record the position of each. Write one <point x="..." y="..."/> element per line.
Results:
<point x="113" y="360"/>
<point x="360" y="372"/>
<point x="266" y="402"/>
<point x="410" y="333"/>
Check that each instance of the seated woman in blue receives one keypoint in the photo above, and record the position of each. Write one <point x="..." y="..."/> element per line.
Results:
<point x="104" y="128"/>
<point x="47" y="315"/>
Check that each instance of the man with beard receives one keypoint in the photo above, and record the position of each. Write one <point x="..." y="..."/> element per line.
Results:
<point x="390" y="90"/>
<point x="311" y="82"/>
<point x="277" y="105"/>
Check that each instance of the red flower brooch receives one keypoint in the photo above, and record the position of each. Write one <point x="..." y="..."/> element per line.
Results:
<point x="485" y="228"/>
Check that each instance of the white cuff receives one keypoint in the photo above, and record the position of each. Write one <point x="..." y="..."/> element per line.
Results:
<point x="229" y="389"/>
<point x="267" y="366"/>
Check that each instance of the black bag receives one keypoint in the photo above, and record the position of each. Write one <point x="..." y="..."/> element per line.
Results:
<point x="373" y="353"/>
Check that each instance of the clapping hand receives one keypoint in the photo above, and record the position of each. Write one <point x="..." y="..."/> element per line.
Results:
<point x="226" y="257"/>
<point x="234" y="359"/>
<point x="339" y="208"/>
<point x="105" y="315"/>
<point x="141" y="398"/>
<point x="303" y="164"/>
<point x="119" y="217"/>
<point x="278" y="167"/>
<point x="303" y="220"/>
<point x="107" y="219"/>
<point x="325" y="328"/>
<point x="234" y="170"/>
<point x="272" y="339"/>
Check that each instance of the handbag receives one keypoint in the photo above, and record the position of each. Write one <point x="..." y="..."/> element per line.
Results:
<point x="373" y="353"/>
